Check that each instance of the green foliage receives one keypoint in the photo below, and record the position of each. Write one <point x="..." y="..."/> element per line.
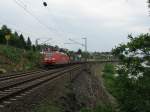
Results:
<point x="47" y="108"/>
<point x="3" y="31"/>
<point x="132" y="84"/>
<point x="11" y="53"/>
<point x="99" y="108"/>
<point x="33" y="57"/>
<point x="21" y="42"/>
<point x="28" y="44"/>
<point x="19" y="59"/>
<point x="110" y="79"/>
<point x="109" y="69"/>
<point x="15" y="39"/>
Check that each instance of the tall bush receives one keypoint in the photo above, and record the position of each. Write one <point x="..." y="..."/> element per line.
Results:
<point x="133" y="81"/>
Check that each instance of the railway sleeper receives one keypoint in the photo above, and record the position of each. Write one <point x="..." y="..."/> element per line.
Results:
<point x="18" y="92"/>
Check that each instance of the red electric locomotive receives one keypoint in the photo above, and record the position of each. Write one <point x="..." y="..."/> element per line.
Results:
<point x="55" y="57"/>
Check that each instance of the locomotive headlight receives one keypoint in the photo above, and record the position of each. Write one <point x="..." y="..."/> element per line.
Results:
<point x="53" y="59"/>
<point x="45" y="58"/>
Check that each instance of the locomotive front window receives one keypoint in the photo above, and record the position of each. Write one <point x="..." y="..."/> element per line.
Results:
<point x="48" y="54"/>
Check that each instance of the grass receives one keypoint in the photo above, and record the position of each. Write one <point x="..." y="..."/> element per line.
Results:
<point x="15" y="59"/>
<point x="13" y="54"/>
<point x="47" y="107"/>
<point x="99" y="108"/>
<point x="109" y="78"/>
<point x="108" y="75"/>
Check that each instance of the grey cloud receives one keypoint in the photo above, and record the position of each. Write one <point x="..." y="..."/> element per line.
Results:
<point x="103" y="27"/>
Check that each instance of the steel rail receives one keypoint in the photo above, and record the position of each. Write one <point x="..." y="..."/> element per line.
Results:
<point x="20" y="74"/>
<point x="24" y="79"/>
<point x="14" y="75"/>
<point x="6" y="94"/>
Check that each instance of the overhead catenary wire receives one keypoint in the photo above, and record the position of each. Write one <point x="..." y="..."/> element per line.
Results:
<point x="52" y="17"/>
<point x="14" y="26"/>
<point x="61" y="30"/>
<point x="75" y="42"/>
<point x="24" y="6"/>
<point x="31" y="14"/>
<point x="15" y="29"/>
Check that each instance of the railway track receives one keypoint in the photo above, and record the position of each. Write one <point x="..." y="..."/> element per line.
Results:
<point x="43" y="69"/>
<point x="15" y="75"/>
<point x="15" y="85"/>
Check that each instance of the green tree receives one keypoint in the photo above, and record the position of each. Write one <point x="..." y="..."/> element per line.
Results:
<point x="28" y="44"/>
<point x="132" y="83"/>
<point x="14" y="39"/>
<point x="33" y="48"/>
<point x="22" y="41"/>
<point x="79" y="51"/>
<point x="4" y="30"/>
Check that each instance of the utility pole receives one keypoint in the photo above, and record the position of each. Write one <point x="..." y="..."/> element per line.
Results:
<point x="36" y="42"/>
<point x="85" y="43"/>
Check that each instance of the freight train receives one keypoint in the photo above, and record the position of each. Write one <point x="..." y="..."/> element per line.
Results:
<point x="59" y="58"/>
<point x="55" y="57"/>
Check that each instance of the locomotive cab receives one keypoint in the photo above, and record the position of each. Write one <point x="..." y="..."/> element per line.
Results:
<point x="55" y="57"/>
<point x="48" y="59"/>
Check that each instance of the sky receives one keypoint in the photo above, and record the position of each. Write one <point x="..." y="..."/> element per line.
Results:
<point x="105" y="23"/>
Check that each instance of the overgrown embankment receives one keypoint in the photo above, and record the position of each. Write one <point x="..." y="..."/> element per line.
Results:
<point x="15" y="59"/>
<point x="85" y="93"/>
<point x="91" y="92"/>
